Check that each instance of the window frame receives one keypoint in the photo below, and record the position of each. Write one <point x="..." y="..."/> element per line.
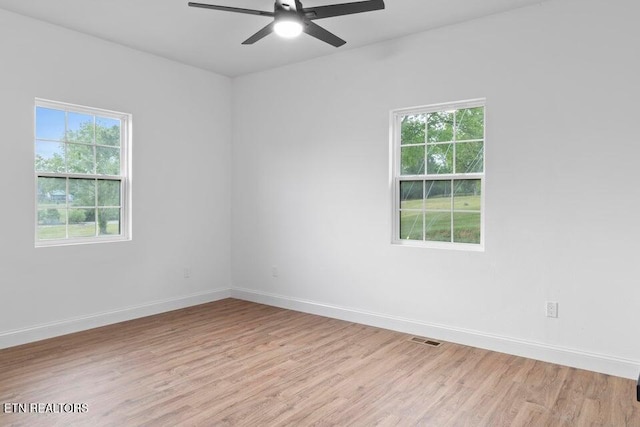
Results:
<point x="395" y="177"/>
<point x="124" y="177"/>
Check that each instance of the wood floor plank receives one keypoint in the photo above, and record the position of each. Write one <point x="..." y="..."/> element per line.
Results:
<point x="235" y="363"/>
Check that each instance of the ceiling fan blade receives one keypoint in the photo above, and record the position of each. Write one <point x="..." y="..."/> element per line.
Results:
<point x="342" y="9"/>
<point x="231" y="9"/>
<point x="320" y="33"/>
<point x="260" y="34"/>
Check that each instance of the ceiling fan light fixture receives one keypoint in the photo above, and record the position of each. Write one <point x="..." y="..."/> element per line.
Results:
<point x="287" y="28"/>
<point x="291" y="18"/>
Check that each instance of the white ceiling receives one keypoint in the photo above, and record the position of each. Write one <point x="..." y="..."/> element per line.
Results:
<point x="212" y="39"/>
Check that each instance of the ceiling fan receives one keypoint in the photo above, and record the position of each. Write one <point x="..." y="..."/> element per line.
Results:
<point x="291" y="19"/>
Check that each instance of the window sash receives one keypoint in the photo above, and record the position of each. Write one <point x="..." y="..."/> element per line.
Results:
<point x="424" y="209"/>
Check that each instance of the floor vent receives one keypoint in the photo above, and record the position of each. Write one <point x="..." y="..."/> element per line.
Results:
<point x="425" y="341"/>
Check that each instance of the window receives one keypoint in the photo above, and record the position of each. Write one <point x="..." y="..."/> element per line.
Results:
<point x="82" y="174"/>
<point x="437" y="171"/>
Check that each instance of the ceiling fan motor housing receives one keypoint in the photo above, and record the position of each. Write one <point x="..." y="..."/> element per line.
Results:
<point x="284" y="12"/>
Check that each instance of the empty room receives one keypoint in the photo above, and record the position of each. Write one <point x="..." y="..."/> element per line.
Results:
<point x="319" y="212"/>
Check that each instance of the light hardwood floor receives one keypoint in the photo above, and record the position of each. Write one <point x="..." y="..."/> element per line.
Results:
<point x="237" y="363"/>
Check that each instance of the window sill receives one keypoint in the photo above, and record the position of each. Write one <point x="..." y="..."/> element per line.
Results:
<point x="439" y="245"/>
<point x="75" y="242"/>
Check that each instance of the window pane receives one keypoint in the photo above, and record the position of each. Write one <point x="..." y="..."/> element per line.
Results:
<point x="49" y="156"/>
<point x="411" y="225"/>
<point x="438" y="227"/>
<point x="108" y="193"/>
<point x="108" y="161"/>
<point x="440" y="158"/>
<point x="51" y="192"/>
<point x="80" y="158"/>
<point x="82" y="192"/>
<point x="80" y="128"/>
<point x="411" y="194"/>
<point x="469" y="157"/>
<point x="49" y="124"/>
<point x="470" y="123"/>
<point x="412" y="162"/>
<point x="438" y="195"/>
<point x="412" y="131"/>
<point x="440" y="127"/>
<point x="466" y="227"/>
<point x="107" y="131"/>
<point x="109" y="221"/>
<point x="82" y="222"/>
<point x="52" y="223"/>
<point x="467" y="194"/>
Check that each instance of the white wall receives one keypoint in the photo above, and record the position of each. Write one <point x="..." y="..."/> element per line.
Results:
<point x="181" y="184"/>
<point x="310" y="185"/>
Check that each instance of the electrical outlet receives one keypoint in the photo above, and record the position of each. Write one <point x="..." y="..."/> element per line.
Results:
<point x="186" y="272"/>
<point x="274" y="271"/>
<point x="552" y="309"/>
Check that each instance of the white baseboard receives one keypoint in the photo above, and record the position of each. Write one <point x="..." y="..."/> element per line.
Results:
<point x="554" y="354"/>
<point x="76" y="324"/>
<point x="548" y="353"/>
